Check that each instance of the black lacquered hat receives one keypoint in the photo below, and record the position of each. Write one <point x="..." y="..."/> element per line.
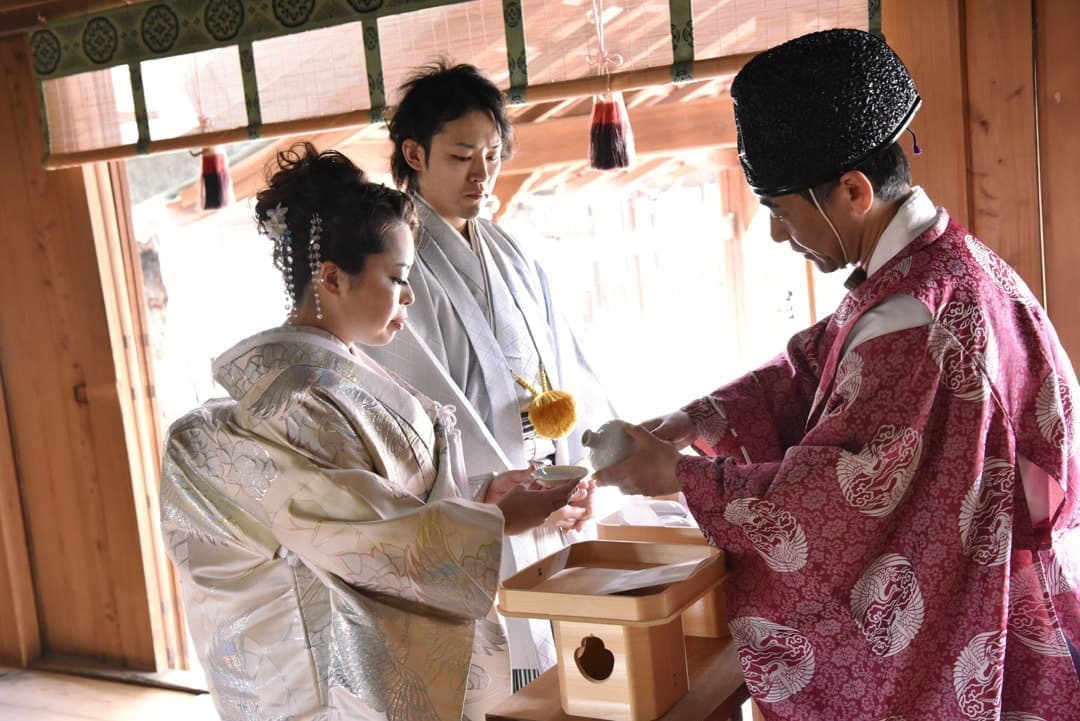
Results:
<point x="813" y="108"/>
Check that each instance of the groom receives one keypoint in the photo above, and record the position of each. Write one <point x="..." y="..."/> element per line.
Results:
<point x="483" y="327"/>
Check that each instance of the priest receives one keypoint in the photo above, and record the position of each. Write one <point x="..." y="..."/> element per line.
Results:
<point x="897" y="493"/>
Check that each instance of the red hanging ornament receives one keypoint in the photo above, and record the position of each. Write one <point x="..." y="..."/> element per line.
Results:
<point x="215" y="185"/>
<point x="611" y="140"/>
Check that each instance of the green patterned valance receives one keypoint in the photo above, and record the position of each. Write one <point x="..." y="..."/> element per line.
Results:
<point x="155" y="30"/>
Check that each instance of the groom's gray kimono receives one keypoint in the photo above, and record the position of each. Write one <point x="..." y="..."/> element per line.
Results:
<point x="465" y="338"/>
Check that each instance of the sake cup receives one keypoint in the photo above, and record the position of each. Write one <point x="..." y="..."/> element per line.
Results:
<point x="550" y="476"/>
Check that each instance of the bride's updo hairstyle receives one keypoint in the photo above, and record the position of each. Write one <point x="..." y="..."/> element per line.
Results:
<point x="354" y="213"/>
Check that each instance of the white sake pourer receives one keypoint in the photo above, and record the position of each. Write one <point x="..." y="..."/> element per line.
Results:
<point x="608" y="444"/>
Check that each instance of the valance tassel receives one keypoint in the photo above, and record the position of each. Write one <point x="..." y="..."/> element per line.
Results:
<point x="215" y="185"/>
<point x="611" y="140"/>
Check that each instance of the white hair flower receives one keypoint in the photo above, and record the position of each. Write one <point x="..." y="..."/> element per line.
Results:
<point x="275" y="225"/>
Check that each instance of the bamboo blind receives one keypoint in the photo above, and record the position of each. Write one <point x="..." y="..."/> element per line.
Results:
<point x="165" y="75"/>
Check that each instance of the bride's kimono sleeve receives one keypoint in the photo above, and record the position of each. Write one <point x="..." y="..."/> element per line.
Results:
<point x="340" y="502"/>
<point x="363" y="498"/>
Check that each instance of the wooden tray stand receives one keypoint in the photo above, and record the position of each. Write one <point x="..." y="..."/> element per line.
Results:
<point x="707" y="618"/>
<point x="620" y="657"/>
<point x="623" y="673"/>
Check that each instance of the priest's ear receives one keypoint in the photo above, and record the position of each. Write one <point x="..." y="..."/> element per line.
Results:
<point x="414" y="154"/>
<point x="856" y="192"/>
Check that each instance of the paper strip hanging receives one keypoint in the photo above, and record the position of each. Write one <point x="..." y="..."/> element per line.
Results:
<point x="251" y="89"/>
<point x="373" y="60"/>
<point x="682" y="40"/>
<point x="516" y="62"/>
<point x="138" y="97"/>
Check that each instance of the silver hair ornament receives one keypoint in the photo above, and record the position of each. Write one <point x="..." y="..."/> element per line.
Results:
<point x="277" y="230"/>
<point x="315" y="259"/>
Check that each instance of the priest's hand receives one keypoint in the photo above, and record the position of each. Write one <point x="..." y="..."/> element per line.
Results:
<point x="524" y="508"/>
<point x="650" y="471"/>
<point x="573" y="515"/>
<point x="677" y="428"/>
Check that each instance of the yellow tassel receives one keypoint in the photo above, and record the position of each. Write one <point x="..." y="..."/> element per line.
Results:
<point x="553" y="414"/>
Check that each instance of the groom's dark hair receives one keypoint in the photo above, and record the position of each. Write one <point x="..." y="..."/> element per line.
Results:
<point x="433" y="96"/>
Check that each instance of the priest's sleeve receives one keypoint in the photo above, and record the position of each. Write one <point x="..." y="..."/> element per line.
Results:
<point x="757" y="417"/>
<point x="879" y="409"/>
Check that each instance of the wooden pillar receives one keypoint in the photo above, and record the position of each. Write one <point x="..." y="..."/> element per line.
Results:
<point x="928" y="37"/>
<point x="1001" y="122"/>
<point x="60" y="356"/>
<point x="20" y="635"/>
<point x="998" y="127"/>
<point x="1058" y="78"/>
<point x="973" y="63"/>
<point x="738" y="203"/>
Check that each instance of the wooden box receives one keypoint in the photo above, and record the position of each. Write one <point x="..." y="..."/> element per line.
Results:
<point x="707" y="618"/>
<point x="621" y="657"/>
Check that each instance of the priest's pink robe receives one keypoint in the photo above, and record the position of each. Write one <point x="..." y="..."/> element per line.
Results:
<point x="902" y="519"/>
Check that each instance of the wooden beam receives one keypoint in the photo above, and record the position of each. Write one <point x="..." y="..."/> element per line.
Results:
<point x="585" y="177"/>
<point x="928" y="37"/>
<point x="645" y="96"/>
<point x="507" y="189"/>
<point x="1001" y="93"/>
<point x="547" y="111"/>
<point x="643" y="168"/>
<point x="529" y="113"/>
<point x="726" y="158"/>
<point x="1058" y="76"/>
<point x="550" y="179"/>
<point x="163" y="580"/>
<point x="658" y="130"/>
<point x="666" y="129"/>
<point x="121" y="273"/>
<point x="696" y="91"/>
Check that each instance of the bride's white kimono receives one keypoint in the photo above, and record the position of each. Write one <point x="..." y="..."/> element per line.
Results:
<point x="330" y="567"/>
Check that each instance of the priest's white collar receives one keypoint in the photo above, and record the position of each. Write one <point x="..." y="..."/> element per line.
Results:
<point x="915" y="216"/>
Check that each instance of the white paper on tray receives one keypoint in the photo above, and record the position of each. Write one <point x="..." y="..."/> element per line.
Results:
<point x="605" y="581"/>
<point x="644" y="511"/>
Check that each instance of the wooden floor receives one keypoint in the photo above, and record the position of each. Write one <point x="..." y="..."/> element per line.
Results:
<point x="46" y="696"/>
